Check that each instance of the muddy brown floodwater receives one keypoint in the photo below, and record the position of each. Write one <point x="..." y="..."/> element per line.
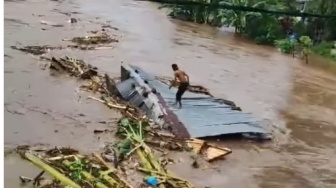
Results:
<point x="299" y="100"/>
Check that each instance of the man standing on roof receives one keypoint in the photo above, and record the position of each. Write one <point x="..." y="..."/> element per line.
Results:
<point x="181" y="77"/>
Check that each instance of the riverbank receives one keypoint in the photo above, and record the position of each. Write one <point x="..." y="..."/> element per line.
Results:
<point x="261" y="28"/>
<point x="263" y="82"/>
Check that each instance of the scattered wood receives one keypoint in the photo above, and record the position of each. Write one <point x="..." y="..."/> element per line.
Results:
<point x="69" y="168"/>
<point x="214" y="153"/>
<point x="210" y="151"/>
<point x="94" y="42"/>
<point x="191" y="88"/>
<point x="97" y="131"/>
<point x="72" y="66"/>
<point x="51" y="24"/>
<point x="25" y="179"/>
<point x="196" y="144"/>
<point x="97" y="39"/>
<point x="36" y="50"/>
<point x="105" y="85"/>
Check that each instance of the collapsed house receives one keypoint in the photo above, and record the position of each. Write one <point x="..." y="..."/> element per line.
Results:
<point x="201" y="115"/>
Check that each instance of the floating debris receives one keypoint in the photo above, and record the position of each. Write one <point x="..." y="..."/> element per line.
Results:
<point x="74" y="170"/>
<point x="74" y="67"/>
<point x="68" y="167"/>
<point x="7" y="56"/>
<point x="95" y="42"/>
<point x="84" y="47"/>
<point x="73" y="20"/>
<point x="97" y="83"/>
<point x="36" y="50"/>
<point x="109" y="26"/>
<point x="134" y="141"/>
<point x="191" y="88"/>
<point x="106" y="86"/>
<point x="209" y="151"/>
<point x="51" y="24"/>
<point x="101" y="38"/>
<point x="137" y="133"/>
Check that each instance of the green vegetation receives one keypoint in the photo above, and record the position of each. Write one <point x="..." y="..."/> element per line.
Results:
<point x="289" y="46"/>
<point x="285" y="45"/>
<point x="325" y="49"/>
<point x="265" y="28"/>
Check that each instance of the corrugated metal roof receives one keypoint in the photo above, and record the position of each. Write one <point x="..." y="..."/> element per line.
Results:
<point x="133" y="95"/>
<point x="201" y="115"/>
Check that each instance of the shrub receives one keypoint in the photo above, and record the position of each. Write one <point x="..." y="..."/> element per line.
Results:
<point x="285" y="45"/>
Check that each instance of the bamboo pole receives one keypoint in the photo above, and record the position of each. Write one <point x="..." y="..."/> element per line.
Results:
<point x="59" y="176"/>
<point x="154" y="162"/>
<point x="147" y="165"/>
<point x="108" y="103"/>
<point x="100" y="159"/>
<point x="143" y="161"/>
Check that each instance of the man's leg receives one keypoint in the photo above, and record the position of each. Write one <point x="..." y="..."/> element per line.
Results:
<point x="183" y="87"/>
<point x="178" y="96"/>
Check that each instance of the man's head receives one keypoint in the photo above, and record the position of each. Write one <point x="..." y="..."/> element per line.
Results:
<point x="175" y="67"/>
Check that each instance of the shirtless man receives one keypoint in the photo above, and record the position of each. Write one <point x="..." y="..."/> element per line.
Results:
<point x="183" y="78"/>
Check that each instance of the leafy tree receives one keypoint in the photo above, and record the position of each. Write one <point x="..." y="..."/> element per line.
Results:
<point x="238" y="18"/>
<point x="264" y="28"/>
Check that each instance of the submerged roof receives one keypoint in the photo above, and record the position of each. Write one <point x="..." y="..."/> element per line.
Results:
<point x="201" y="115"/>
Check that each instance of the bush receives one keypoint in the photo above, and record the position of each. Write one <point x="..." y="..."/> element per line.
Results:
<point x="285" y="45"/>
<point x="324" y="49"/>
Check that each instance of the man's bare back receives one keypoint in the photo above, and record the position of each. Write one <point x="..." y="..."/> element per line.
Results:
<point x="181" y="76"/>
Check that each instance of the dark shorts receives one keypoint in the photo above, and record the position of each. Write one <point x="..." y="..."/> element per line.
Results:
<point x="181" y="89"/>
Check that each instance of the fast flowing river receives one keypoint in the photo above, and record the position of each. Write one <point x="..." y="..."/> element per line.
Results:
<point x="299" y="100"/>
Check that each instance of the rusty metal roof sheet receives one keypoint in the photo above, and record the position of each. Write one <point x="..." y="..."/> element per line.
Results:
<point x="201" y="115"/>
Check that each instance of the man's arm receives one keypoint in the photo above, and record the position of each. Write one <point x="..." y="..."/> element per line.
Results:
<point x="175" y="78"/>
<point x="186" y="75"/>
<point x="174" y="81"/>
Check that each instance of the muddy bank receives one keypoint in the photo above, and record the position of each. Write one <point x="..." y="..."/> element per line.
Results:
<point x="273" y="87"/>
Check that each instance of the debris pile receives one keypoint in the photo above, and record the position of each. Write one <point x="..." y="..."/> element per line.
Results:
<point x="134" y="136"/>
<point x="97" y="41"/>
<point x="96" y="83"/>
<point x="137" y="134"/>
<point x="105" y="85"/>
<point x="74" y="67"/>
<point x="94" y="42"/>
<point x="69" y="168"/>
<point x="102" y="38"/>
<point x="108" y="169"/>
